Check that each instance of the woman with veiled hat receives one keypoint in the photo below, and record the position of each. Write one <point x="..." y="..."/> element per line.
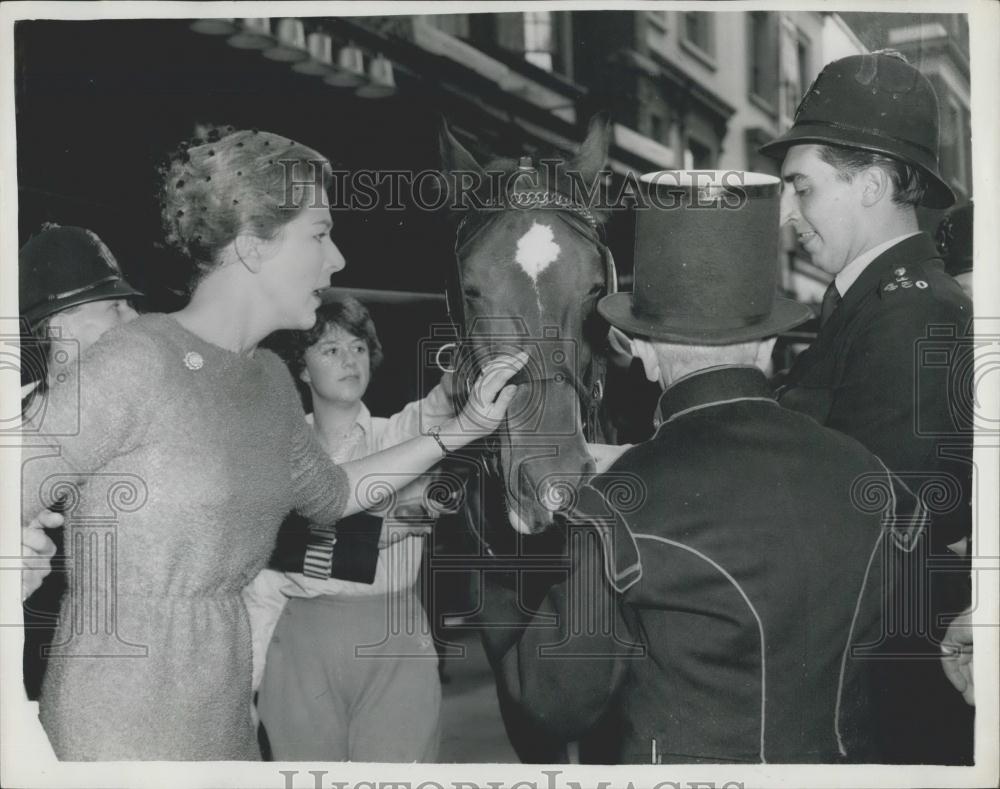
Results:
<point x="192" y="438"/>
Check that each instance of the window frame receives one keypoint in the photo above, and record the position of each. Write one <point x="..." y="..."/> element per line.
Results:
<point x="706" y="56"/>
<point x="767" y="104"/>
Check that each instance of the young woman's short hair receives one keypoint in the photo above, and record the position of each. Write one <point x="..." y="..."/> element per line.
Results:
<point x="344" y="311"/>
<point x="240" y="182"/>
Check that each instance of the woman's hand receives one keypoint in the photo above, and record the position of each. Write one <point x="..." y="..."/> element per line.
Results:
<point x="489" y="399"/>
<point x="394" y="468"/>
<point x="37" y="550"/>
<point x="956" y="656"/>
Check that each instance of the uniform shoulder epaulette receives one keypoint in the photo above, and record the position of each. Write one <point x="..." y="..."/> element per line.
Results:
<point x="902" y="279"/>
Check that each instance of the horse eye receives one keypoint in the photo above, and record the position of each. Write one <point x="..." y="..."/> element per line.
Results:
<point x="472" y="293"/>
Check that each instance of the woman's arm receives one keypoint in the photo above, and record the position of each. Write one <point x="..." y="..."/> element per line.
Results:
<point x="435" y="408"/>
<point x="100" y="411"/>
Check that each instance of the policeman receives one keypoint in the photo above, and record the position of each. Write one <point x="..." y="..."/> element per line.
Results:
<point x="71" y="291"/>
<point x="860" y="157"/>
<point x="731" y="553"/>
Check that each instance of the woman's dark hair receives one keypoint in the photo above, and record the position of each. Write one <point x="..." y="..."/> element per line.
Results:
<point x="243" y="182"/>
<point x="344" y="311"/>
<point x="908" y="182"/>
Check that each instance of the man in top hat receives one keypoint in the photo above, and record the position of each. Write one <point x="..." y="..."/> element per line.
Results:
<point x="860" y="157"/>
<point x="716" y="579"/>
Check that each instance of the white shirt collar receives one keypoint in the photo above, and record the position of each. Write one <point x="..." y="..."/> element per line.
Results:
<point x="363" y="420"/>
<point x="849" y="274"/>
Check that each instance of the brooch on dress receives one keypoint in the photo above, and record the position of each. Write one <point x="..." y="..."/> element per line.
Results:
<point x="193" y="360"/>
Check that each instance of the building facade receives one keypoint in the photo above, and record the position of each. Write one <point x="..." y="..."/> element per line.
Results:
<point x="685" y="89"/>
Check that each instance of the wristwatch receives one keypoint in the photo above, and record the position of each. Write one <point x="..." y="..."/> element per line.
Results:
<point x="435" y="433"/>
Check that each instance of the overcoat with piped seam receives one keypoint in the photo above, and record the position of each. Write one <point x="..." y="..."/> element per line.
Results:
<point x="717" y="591"/>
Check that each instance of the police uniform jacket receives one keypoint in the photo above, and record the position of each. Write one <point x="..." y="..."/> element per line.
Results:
<point x="715" y="580"/>
<point x="886" y="369"/>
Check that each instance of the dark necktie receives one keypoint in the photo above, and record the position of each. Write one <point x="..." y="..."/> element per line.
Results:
<point x="830" y="301"/>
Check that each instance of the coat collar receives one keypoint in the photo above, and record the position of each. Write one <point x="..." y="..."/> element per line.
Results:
<point x="913" y="249"/>
<point x="847" y="275"/>
<point x="711" y="387"/>
<point x="595" y="502"/>
<point x="592" y="509"/>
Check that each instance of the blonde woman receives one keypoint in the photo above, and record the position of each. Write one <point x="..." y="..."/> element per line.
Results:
<point x="207" y="430"/>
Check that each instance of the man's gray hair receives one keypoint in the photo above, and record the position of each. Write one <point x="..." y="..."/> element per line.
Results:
<point x="700" y="357"/>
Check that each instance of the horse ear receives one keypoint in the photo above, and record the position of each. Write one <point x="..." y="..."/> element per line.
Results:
<point x="454" y="157"/>
<point x="593" y="154"/>
<point x="458" y="166"/>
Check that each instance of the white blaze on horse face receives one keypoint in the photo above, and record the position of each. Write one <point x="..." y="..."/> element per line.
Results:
<point x="536" y="251"/>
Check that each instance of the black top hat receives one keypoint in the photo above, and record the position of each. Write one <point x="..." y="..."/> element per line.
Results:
<point x="63" y="267"/>
<point x="706" y="261"/>
<point x="954" y="239"/>
<point x="877" y="102"/>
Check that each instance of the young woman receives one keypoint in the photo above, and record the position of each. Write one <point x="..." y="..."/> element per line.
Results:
<point x="351" y="672"/>
<point x="191" y="442"/>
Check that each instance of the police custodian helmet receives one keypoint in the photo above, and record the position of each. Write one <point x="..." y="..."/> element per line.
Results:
<point x="876" y="102"/>
<point x="62" y="267"/>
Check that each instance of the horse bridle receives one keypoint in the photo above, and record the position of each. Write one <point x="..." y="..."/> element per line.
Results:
<point x="581" y="220"/>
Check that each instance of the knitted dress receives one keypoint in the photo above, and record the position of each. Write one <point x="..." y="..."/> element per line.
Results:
<point x="185" y="457"/>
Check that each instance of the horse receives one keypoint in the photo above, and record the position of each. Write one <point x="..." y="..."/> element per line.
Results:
<point x="530" y="265"/>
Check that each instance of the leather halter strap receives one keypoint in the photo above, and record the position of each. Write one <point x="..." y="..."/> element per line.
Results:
<point x="580" y="219"/>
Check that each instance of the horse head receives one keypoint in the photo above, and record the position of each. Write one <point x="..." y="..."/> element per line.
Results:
<point x="530" y="268"/>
